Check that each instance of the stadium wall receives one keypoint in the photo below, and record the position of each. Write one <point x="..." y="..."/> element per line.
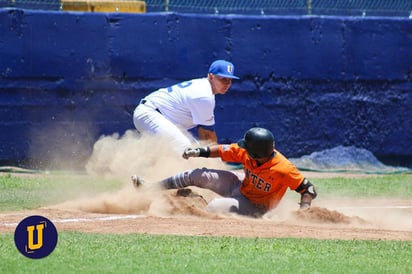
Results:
<point x="67" y="78"/>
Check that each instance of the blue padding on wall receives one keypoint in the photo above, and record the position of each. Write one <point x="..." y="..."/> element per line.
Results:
<point x="316" y="82"/>
<point x="54" y="45"/>
<point x="373" y="48"/>
<point x="161" y="53"/>
<point x="294" y="47"/>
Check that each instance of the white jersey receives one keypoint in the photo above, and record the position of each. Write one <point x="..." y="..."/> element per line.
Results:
<point x="186" y="104"/>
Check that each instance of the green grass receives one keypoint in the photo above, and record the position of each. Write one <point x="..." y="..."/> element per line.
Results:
<point x="136" y="253"/>
<point x="399" y="185"/>
<point x="94" y="253"/>
<point x="29" y="192"/>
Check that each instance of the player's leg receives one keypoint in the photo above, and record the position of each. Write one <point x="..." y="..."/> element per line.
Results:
<point x="246" y="207"/>
<point x="148" y="120"/>
<point x="236" y="204"/>
<point x="222" y="182"/>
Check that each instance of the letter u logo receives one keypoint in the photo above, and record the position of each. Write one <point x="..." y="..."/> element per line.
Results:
<point x="30" y="231"/>
<point x="35" y="237"/>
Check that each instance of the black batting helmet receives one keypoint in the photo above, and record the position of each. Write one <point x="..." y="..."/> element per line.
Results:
<point x="258" y="142"/>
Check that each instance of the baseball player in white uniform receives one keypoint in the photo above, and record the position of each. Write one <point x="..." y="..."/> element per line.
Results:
<point x="174" y="110"/>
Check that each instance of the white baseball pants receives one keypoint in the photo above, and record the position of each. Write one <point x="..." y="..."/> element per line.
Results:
<point x="148" y="120"/>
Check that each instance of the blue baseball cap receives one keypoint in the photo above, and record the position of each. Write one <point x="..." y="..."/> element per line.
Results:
<point x="223" y="68"/>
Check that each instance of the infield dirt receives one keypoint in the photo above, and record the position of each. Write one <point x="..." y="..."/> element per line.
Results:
<point x="153" y="211"/>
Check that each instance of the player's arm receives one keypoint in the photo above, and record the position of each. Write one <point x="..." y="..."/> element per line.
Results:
<point x="207" y="134"/>
<point x="307" y="193"/>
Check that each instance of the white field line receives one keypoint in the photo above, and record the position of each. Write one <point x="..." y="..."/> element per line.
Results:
<point x="93" y="219"/>
<point x="375" y="207"/>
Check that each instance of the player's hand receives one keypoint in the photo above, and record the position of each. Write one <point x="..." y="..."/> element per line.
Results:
<point x="191" y="152"/>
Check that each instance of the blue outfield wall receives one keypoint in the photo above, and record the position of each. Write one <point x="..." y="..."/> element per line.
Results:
<point x="66" y="78"/>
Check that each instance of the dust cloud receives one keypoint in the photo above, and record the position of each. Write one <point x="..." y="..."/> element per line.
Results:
<point x="153" y="160"/>
<point x="60" y="146"/>
<point x="150" y="157"/>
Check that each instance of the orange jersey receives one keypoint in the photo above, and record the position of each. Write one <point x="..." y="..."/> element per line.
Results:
<point x="267" y="184"/>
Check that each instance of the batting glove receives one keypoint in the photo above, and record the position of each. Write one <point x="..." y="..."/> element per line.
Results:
<point x="191" y="152"/>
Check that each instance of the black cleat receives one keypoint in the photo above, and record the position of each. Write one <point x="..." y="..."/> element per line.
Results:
<point x="184" y="192"/>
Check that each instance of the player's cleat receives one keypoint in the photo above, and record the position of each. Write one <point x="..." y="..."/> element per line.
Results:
<point x="136" y="181"/>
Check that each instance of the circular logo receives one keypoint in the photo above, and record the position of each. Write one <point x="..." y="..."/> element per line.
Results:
<point x="35" y="237"/>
